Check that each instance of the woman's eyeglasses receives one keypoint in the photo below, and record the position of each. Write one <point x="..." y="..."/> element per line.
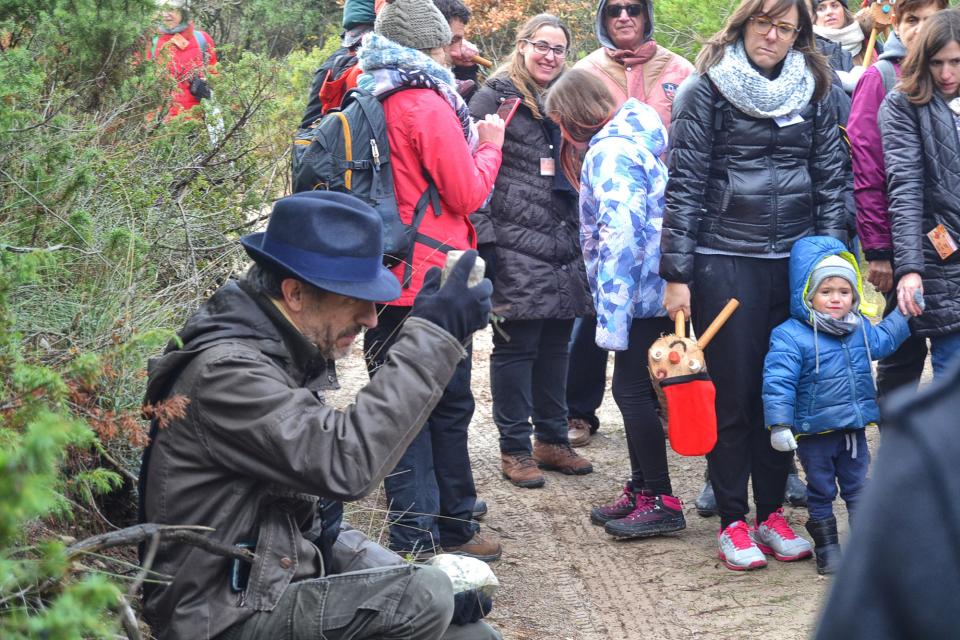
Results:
<point x="763" y="24"/>
<point x="543" y="48"/>
<point x="614" y="10"/>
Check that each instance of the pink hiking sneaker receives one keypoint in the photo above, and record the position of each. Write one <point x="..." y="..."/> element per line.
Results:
<point x="775" y="537"/>
<point x="737" y="550"/>
<point x="653" y="516"/>
<point x="619" y="508"/>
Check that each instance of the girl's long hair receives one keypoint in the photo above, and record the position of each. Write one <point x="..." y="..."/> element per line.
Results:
<point x="581" y="104"/>
<point x="515" y="68"/>
<point x="916" y="80"/>
<point x="713" y="49"/>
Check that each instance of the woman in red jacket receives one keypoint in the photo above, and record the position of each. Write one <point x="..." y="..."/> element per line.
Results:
<point x="440" y="156"/>
<point x="187" y="52"/>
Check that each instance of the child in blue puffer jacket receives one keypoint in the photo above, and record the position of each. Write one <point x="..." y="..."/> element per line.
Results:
<point x="818" y="384"/>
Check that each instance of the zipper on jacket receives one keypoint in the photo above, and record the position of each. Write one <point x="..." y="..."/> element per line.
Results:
<point x="776" y="187"/>
<point x="851" y="378"/>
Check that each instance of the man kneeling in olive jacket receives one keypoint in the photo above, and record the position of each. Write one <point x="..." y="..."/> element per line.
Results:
<point x="259" y="457"/>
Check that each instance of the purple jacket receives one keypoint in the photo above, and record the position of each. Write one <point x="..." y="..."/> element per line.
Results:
<point x="869" y="171"/>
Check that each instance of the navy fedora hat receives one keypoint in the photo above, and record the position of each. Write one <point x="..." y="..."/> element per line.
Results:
<point x="330" y="240"/>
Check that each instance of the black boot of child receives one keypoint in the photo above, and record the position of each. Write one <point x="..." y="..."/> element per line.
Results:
<point x="826" y="544"/>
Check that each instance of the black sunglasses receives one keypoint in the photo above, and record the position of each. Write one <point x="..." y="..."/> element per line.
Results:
<point x="614" y="10"/>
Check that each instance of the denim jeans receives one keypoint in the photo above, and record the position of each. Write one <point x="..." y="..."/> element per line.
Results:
<point x="827" y="458"/>
<point x="587" y="373"/>
<point x="944" y="353"/>
<point x="431" y="492"/>
<point x="528" y="377"/>
<point x="404" y="602"/>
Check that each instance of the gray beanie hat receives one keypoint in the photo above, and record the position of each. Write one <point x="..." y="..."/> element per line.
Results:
<point x="417" y="24"/>
<point x="833" y="267"/>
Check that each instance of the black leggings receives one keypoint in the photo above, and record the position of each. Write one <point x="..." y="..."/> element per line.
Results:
<point x="637" y="401"/>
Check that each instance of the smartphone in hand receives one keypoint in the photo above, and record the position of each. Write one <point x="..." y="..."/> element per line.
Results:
<point x="507" y="108"/>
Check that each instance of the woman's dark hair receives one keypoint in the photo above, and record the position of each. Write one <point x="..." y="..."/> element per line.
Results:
<point x="515" y="68"/>
<point x="581" y="104"/>
<point x="904" y="7"/>
<point x="938" y="31"/>
<point x="805" y="43"/>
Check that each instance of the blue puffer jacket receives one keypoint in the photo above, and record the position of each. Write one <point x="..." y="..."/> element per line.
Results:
<point x="621" y="217"/>
<point x="814" y="381"/>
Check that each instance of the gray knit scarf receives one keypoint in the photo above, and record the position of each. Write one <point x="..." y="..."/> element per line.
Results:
<point x="177" y="29"/>
<point x="756" y="95"/>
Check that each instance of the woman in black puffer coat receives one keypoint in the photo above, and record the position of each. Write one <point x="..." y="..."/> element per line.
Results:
<point x="540" y="285"/>
<point x="755" y="165"/>
<point x="920" y="125"/>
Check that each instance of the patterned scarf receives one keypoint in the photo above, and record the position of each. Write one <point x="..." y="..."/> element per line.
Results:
<point x="389" y="66"/>
<point x="755" y="94"/>
<point x="177" y="29"/>
<point x="641" y="55"/>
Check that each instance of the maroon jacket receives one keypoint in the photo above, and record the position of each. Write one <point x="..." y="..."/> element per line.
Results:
<point x="869" y="171"/>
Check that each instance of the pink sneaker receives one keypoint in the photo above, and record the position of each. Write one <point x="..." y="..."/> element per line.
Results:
<point x="775" y="537"/>
<point x="737" y="549"/>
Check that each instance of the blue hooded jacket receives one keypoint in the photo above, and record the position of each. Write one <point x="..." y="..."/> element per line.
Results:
<point x="814" y="381"/>
<point x="621" y="218"/>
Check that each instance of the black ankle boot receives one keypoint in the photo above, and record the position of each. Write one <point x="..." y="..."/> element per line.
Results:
<point x="826" y="544"/>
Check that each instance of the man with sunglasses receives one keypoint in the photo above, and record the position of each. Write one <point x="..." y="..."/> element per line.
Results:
<point x="631" y="65"/>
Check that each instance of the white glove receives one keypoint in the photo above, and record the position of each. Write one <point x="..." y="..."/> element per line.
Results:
<point x="781" y="439"/>
<point x="849" y="79"/>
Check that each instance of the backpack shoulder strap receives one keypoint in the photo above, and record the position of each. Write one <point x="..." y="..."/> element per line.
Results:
<point x="888" y="73"/>
<point x="201" y="39"/>
<point x="153" y="48"/>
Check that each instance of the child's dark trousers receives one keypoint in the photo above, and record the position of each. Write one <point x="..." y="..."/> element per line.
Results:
<point x="829" y="459"/>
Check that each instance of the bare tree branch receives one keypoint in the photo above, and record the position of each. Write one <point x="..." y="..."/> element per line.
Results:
<point x="184" y="534"/>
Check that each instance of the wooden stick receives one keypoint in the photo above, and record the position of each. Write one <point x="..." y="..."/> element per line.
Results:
<point x="718" y="322"/>
<point x="482" y="61"/>
<point x="681" y="329"/>
<point x="871" y="45"/>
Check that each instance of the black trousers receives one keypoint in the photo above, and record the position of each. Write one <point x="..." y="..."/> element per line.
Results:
<point x="904" y="366"/>
<point x="637" y="401"/>
<point x="735" y="363"/>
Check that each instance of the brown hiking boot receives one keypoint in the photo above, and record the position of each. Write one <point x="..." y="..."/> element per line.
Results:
<point x="560" y="457"/>
<point x="478" y="547"/>
<point x="578" y="432"/>
<point x="521" y="470"/>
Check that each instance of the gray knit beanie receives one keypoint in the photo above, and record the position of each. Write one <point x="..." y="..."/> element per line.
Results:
<point x="830" y="267"/>
<point x="417" y="24"/>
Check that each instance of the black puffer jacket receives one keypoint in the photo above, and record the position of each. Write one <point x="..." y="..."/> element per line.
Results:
<point x="922" y="154"/>
<point x="745" y="185"/>
<point x="533" y="219"/>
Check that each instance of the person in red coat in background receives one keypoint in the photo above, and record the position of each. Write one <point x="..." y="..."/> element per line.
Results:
<point x="443" y="161"/>
<point x="187" y="52"/>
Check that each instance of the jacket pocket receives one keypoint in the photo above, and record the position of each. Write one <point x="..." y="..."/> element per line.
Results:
<point x="277" y="550"/>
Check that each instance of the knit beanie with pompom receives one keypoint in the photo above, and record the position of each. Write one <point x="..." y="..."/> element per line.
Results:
<point x="417" y="24"/>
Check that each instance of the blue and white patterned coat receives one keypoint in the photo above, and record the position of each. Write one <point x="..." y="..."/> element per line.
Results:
<point x="621" y="216"/>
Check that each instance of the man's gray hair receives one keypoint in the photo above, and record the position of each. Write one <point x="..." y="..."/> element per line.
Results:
<point x="264" y="281"/>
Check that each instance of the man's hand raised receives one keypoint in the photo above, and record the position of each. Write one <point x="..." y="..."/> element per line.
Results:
<point x="455" y="307"/>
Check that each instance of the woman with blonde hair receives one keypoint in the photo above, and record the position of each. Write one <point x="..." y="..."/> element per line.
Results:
<point x="622" y="182"/>
<point x="528" y="235"/>
<point x="920" y="125"/>
<point x="755" y="165"/>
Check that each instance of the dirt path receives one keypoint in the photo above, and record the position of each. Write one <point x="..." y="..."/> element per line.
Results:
<point x="563" y="578"/>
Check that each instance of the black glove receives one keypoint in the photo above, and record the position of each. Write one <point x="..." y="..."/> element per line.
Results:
<point x="488" y="251"/>
<point x="200" y="89"/>
<point x="456" y="308"/>
<point x="470" y="606"/>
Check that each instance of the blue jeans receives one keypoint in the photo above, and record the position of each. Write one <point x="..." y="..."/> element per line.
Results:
<point x="827" y="458"/>
<point x="944" y="353"/>
<point x="528" y="376"/>
<point x="587" y="373"/>
<point x="431" y="492"/>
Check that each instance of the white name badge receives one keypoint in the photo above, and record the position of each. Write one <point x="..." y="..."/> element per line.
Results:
<point x="786" y="121"/>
